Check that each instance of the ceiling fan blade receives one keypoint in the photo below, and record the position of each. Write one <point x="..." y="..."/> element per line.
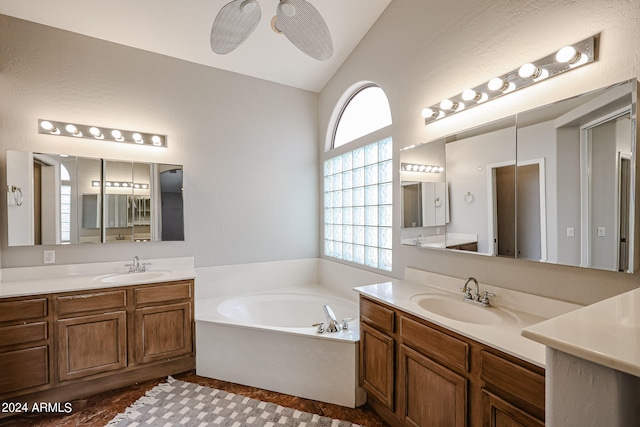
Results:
<point x="303" y="25"/>
<point x="234" y="24"/>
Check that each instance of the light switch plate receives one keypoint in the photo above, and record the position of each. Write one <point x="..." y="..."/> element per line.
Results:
<point x="50" y="257"/>
<point x="571" y="232"/>
<point x="601" y="232"/>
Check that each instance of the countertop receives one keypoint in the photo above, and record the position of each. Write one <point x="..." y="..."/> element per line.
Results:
<point x="526" y="310"/>
<point x="24" y="281"/>
<point x="607" y="332"/>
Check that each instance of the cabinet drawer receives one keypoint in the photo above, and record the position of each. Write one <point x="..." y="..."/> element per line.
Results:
<point x="19" y="334"/>
<point x="514" y="379"/>
<point x="23" y="369"/>
<point x="163" y="293"/>
<point x="374" y="314"/>
<point x="93" y="301"/>
<point x="441" y="347"/>
<point x="24" y="309"/>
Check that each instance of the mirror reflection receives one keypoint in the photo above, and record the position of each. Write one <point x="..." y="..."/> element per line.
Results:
<point x="555" y="184"/>
<point x="575" y="163"/>
<point x="481" y="175"/>
<point x="61" y="199"/>
<point x="425" y="195"/>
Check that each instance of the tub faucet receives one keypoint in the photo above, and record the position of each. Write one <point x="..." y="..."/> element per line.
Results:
<point x="332" y="322"/>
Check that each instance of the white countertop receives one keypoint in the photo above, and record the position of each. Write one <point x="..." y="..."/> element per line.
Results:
<point x="607" y="333"/>
<point x="21" y="281"/>
<point x="526" y="309"/>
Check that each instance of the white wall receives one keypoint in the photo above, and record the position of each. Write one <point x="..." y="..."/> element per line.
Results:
<point x="421" y="52"/>
<point x="249" y="147"/>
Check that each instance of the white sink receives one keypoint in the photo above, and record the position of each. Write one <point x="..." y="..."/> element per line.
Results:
<point x="455" y="308"/>
<point x="131" y="277"/>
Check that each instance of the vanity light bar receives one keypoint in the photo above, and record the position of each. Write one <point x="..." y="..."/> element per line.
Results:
<point x="565" y="59"/>
<point x="120" y="184"/>
<point x="51" y="127"/>
<point x="414" y="167"/>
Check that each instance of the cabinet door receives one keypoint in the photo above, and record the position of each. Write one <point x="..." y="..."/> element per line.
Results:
<point x="377" y="367"/>
<point x="163" y="332"/>
<point x="432" y="395"/>
<point x="499" y="413"/>
<point x="91" y="344"/>
<point x="24" y="369"/>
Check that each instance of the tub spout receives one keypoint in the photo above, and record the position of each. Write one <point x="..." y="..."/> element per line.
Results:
<point x="332" y="322"/>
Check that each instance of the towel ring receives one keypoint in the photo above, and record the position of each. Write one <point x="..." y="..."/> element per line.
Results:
<point x="468" y="198"/>
<point x="17" y="195"/>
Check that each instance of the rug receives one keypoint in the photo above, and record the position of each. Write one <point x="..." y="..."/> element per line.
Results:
<point x="179" y="403"/>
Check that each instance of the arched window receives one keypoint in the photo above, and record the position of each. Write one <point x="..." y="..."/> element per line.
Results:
<point x="365" y="112"/>
<point x="358" y="184"/>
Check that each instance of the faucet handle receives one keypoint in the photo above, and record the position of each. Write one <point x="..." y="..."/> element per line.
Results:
<point x="485" y="297"/>
<point x="345" y="323"/>
<point x="144" y="267"/>
<point x="320" y="326"/>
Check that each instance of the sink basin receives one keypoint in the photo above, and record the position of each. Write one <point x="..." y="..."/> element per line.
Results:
<point x="131" y="277"/>
<point x="455" y="308"/>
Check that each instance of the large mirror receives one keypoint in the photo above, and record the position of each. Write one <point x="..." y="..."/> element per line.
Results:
<point x="554" y="184"/>
<point x="57" y="199"/>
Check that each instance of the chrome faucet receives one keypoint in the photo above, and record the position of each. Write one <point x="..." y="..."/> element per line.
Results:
<point x="476" y="298"/>
<point x="467" y="290"/>
<point x="137" y="267"/>
<point x="332" y="322"/>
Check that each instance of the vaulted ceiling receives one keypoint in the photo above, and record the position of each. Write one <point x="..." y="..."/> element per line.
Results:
<point x="182" y="30"/>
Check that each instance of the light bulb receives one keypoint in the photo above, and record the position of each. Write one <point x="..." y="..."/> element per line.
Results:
<point x="430" y="113"/>
<point x="497" y="84"/>
<point x="48" y="126"/>
<point x="156" y="140"/>
<point x="73" y="130"/>
<point x="95" y="183"/>
<point x="470" y="95"/>
<point x="441" y="168"/>
<point x="447" y="104"/>
<point x="529" y="70"/>
<point x="117" y="135"/>
<point x="116" y="184"/>
<point x="137" y="138"/>
<point x="107" y="184"/>
<point x="96" y="132"/>
<point x="568" y="54"/>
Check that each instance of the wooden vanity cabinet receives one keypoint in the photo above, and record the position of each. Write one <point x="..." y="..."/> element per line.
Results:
<point x="163" y="322"/>
<point x="25" y="343"/>
<point x="441" y="378"/>
<point x="62" y="346"/>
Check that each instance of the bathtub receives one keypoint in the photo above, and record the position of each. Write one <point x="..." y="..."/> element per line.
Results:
<point x="266" y="340"/>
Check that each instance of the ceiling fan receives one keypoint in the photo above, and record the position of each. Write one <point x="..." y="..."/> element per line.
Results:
<point x="298" y="20"/>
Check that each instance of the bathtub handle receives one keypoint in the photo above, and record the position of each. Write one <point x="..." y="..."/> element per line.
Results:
<point x="320" y="327"/>
<point x="345" y="322"/>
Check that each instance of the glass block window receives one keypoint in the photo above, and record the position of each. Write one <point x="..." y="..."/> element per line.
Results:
<point x="65" y="205"/>
<point x="358" y="205"/>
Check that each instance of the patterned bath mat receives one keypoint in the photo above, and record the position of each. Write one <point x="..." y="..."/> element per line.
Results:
<point x="179" y="403"/>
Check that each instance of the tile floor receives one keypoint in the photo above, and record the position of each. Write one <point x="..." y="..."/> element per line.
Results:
<point x="98" y="410"/>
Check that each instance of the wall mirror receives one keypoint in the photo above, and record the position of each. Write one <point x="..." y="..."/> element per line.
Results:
<point x="57" y="199"/>
<point x="555" y="184"/>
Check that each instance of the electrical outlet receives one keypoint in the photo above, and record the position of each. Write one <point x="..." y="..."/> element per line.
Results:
<point x="50" y="257"/>
<point x="601" y="232"/>
<point x="571" y="232"/>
